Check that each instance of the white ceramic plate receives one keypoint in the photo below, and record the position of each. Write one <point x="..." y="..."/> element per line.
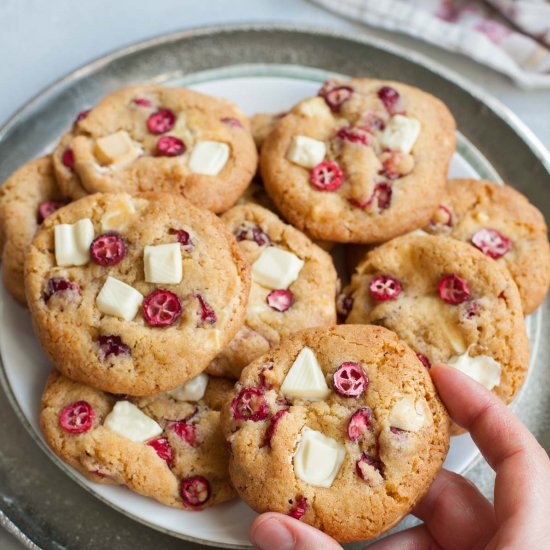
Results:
<point x="258" y="88"/>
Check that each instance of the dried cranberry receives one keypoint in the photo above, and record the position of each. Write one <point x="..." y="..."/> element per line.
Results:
<point x="142" y="102"/>
<point x="250" y="404"/>
<point x="59" y="284"/>
<point x="81" y="116"/>
<point x="107" y="250"/>
<point x="280" y="300"/>
<point x="424" y="360"/>
<point x="67" y="158"/>
<point x="472" y="311"/>
<point x="300" y="509"/>
<point x="233" y="122"/>
<point x="250" y="232"/>
<point x="360" y="424"/>
<point x="363" y="463"/>
<point x="327" y="86"/>
<point x="350" y="379"/>
<point x="273" y="426"/>
<point x="336" y="97"/>
<point x="195" y="490"/>
<point x="185" y="431"/>
<point x="163" y="449"/>
<point x="184" y="238"/>
<point x="389" y="97"/>
<point x="206" y="314"/>
<point x="354" y="135"/>
<point x="381" y="198"/>
<point x="384" y="287"/>
<point x="47" y="208"/>
<point x="170" y="146"/>
<point x="77" y="417"/>
<point x="344" y="304"/>
<point x="491" y="242"/>
<point x="372" y="123"/>
<point x="112" y="345"/>
<point x="453" y="289"/>
<point x="161" y="122"/>
<point x="327" y="176"/>
<point x="161" y="308"/>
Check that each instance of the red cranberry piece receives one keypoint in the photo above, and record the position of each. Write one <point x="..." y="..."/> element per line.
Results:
<point x="350" y="380"/>
<point x="453" y="289"/>
<point x="354" y="135"/>
<point x="442" y="219"/>
<point x="424" y="360"/>
<point x="397" y="431"/>
<point x="185" y="431"/>
<point x="384" y="287"/>
<point x="107" y="250"/>
<point x="206" y="313"/>
<point x="263" y="382"/>
<point x="67" y="158"/>
<point x="381" y="197"/>
<point x="344" y="304"/>
<point x="280" y="300"/>
<point x="360" y="423"/>
<point x="327" y="176"/>
<point x="336" y="97"/>
<point x="142" y="102"/>
<point x="81" y="116"/>
<point x="59" y="284"/>
<point x="163" y="449"/>
<point x="161" y="308"/>
<point x="472" y="311"/>
<point x="300" y="509"/>
<point x="247" y="232"/>
<point x="112" y="345"/>
<point x="161" y="122"/>
<point x="233" y="122"/>
<point x="170" y="146"/>
<point x="327" y="86"/>
<point x="367" y="460"/>
<point x="273" y="426"/>
<point x="389" y="97"/>
<point x="195" y="490"/>
<point x="77" y="417"/>
<point x="184" y="238"/>
<point x="372" y="123"/>
<point x="48" y="207"/>
<point x="250" y="404"/>
<point x="491" y="242"/>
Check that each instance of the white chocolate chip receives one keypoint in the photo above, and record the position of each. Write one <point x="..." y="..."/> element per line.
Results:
<point x="72" y="242"/>
<point x="119" y="213"/>
<point x="315" y="107"/>
<point x="276" y="268"/>
<point x="400" y="133"/>
<point x="192" y="390"/>
<point x="119" y="299"/>
<point x="407" y="414"/>
<point x="305" y="379"/>
<point x="306" y="151"/>
<point x="318" y="458"/>
<point x="128" y="421"/>
<point x="163" y="263"/>
<point x="117" y="148"/>
<point x="481" y="368"/>
<point x="209" y="158"/>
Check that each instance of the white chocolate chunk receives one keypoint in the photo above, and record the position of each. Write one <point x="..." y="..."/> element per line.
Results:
<point x="117" y="148"/>
<point x="401" y="133"/>
<point x="209" y="157"/>
<point x="305" y="379"/>
<point x="276" y="268"/>
<point x="119" y="299"/>
<point x="318" y="458"/>
<point x="407" y="414"/>
<point x="315" y="107"/>
<point x="72" y="242"/>
<point x="192" y="390"/>
<point x="118" y="215"/>
<point x="481" y="368"/>
<point x="128" y="421"/>
<point x="163" y="263"/>
<point x="306" y="151"/>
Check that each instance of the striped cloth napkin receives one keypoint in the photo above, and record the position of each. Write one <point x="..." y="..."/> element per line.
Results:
<point x="510" y="36"/>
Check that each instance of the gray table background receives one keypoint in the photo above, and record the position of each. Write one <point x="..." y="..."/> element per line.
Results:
<point x="41" y="40"/>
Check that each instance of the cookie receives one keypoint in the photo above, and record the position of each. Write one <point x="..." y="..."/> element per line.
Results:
<point x="450" y="303"/>
<point x="341" y="428"/>
<point x="504" y="225"/>
<point x="261" y="125"/>
<point x="27" y="197"/>
<point x="168" y="447"/>
<point x="151" y="138"/>
<point x="364" y="162"/>
<point x="135" y="295"/>
<point x="278" y="304"/>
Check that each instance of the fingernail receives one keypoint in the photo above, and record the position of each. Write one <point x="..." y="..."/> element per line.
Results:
<point x="272" y="535"/>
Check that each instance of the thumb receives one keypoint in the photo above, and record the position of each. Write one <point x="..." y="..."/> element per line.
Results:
<point x="273" y="531"/>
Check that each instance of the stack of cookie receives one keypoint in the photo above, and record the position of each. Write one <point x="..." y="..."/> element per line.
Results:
<point x="193" y="331"/>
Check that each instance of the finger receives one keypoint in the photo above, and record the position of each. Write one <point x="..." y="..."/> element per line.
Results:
<point x="416" y="538"/>
<point x="273" y="531"/>
<point x="456" y="514"/>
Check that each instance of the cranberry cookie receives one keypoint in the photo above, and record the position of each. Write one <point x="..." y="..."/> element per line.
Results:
<point x="135" y="295"/>
<point x="450" y="303"/>
<point x="168" y="446"/>
<point x="363" y="162"/>
<point x="152" y="138"/>
<point x="293" y="286"/>
<point x="339" y="427"/>
<point x="27" y="197"/>
<point x="262" y="124"/>
<point x="504" y="225"/>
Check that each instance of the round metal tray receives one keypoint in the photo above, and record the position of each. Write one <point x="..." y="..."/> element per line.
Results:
<point x="38" y="502"/>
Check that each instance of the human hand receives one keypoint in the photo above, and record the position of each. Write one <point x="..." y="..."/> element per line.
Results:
<point x="456" y="515"/>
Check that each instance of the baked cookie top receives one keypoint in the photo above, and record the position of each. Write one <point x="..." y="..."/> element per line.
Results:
<point x="119" y="286"/>
<point x="450" y="303"/>
<point x="364" y="161"/>
<point x="152" y="138"/>
<point x="168" y="446"/>
<point x="27" y="197"/>
<point x="261" y="125"/>
<point x="504" y="225"/>
<point x="340" y="427"/>
<point x="293" y="286"/>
